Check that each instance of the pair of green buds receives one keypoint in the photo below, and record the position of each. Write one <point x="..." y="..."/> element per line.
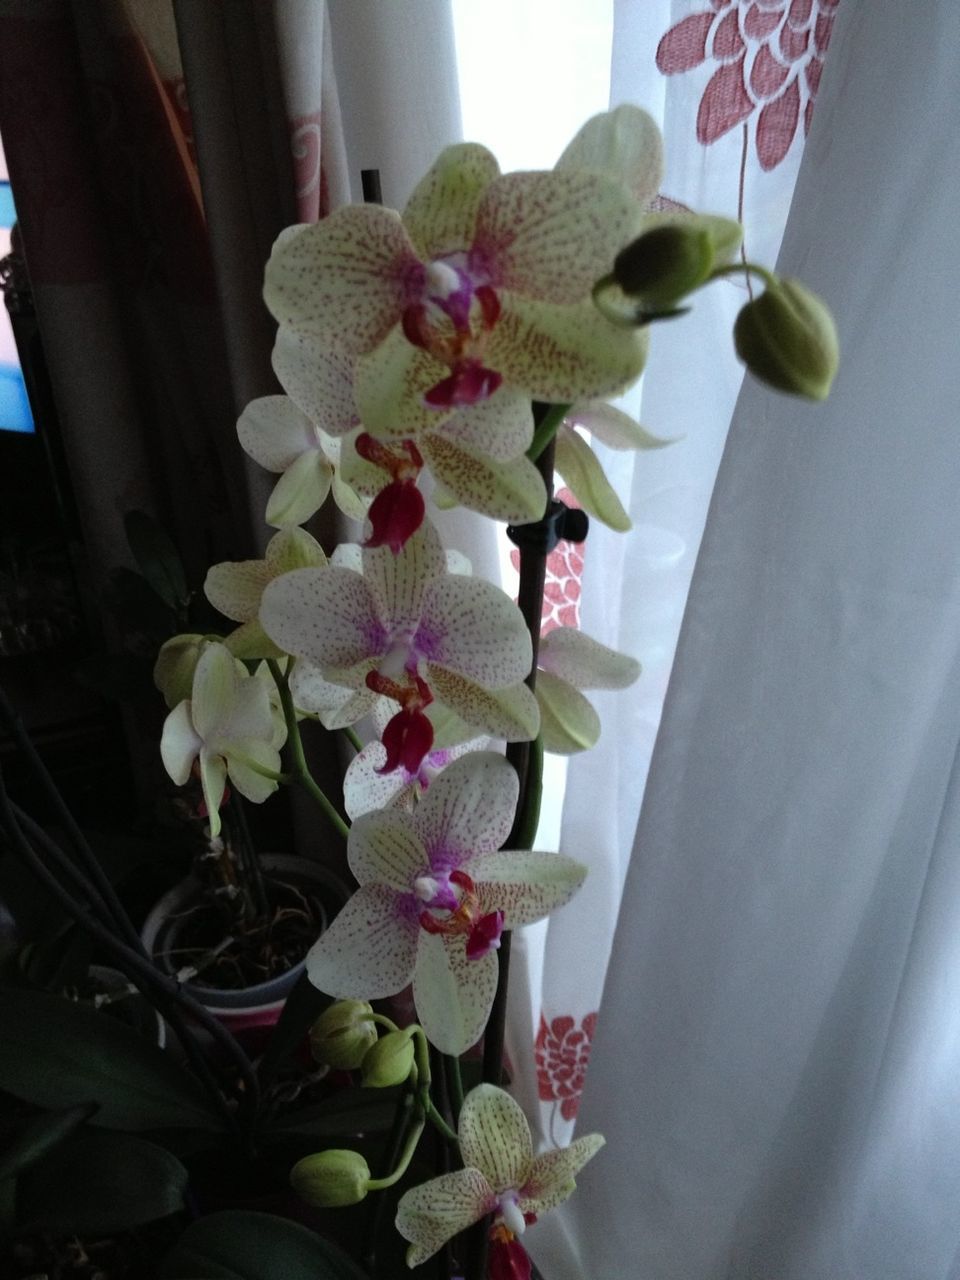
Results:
<point x="786" y="337"/>
<point x="345" y="1038"/>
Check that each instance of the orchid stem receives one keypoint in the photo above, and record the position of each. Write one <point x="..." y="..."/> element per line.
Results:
<point x="455" y="1081"/>
<point x="546" y="429"/>
<point x="301" y="772"/>
<point x="438" y="1122"/>
<point x="769" y="278"/>
<point x="351" y="736"/>
<point x="413" y="1138"/>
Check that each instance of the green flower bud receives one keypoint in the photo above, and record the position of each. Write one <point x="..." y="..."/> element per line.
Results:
<point x="665" y="263"/>
<point x="389" y="1061"/>
<point x="331" y="1179"/>
<point x="787" y="338"/>
<point x="342" y="1034"/>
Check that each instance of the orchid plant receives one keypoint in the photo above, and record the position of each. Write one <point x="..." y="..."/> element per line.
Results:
<point x="476" y="336"/>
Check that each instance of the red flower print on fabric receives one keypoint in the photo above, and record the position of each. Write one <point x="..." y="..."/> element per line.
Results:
<point x="562" y="1055"/>
<point x="770" y="55"/>
<point x="561" y="592"/>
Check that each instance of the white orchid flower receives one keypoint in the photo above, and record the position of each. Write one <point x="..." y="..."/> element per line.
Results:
<point x="435" y="895"/>
<point x="236" y="588"/>
<point x="407" y="628"/>
<point x="568" y="662"/>
<point x="228" y="726"/>
<point x="501" y="1177"/>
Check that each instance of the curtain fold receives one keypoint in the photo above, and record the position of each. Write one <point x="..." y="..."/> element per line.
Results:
<point x="776" y="1060"/>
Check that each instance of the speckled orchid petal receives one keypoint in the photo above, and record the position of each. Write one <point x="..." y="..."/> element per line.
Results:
<point x="551" y="236"/>
<point x="235" y="587"/>
<point x="471" y="627"/>
<point x="513" y="491"/>
<point x="501" y="427"/>
<point x="317" y="375"/>
<point x="612" y="427"/>
<point x="568" y="723"/>
<point x="495" y="1137"/>
<point x="398" y="582"/>
<point x="564" y="353"/>
<point x="337" y="705"/>
<point x="512" y="713"/>
<point x="580" y="468"/>
<point x="552" y="1176"/>
<point x="301" y="491"/>
<point x="525" y="885"/>
<point x="453" y="995"/>
<point x="389" y="385"/>
<point x="365" y="478"/>
<point x="369" y="950"/>
<point x="366" y="789"/>
<point x="274" y="432"/>
<point x="441" y="214"/>
<point x="469" y="809"/>
<point x="586" y="663"/>
<point x="436" y="1211"/>
<point x="624" y="144"/>
<point x="328" y="616"/>
<point x="345" y="278"/>
<point x="384" y="848"/>
<point x="179" y="743"/>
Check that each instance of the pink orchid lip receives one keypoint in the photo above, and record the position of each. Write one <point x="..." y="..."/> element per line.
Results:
<point x="463" y="917"/>
<point x="395" y="515"/>
<point x="408" y="737"/>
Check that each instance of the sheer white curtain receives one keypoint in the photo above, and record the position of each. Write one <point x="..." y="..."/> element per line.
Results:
<point x="777" y="1061"/>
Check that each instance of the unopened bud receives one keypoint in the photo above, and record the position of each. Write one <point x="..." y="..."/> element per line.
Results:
<point x="342" y="1034"/>
<point x="787" y="338"/>
<point x="389" y="1061"/>
<point x="331" y="1179"/>
<point x="665" y="263"/>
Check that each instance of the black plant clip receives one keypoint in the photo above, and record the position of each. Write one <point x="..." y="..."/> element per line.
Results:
<point x="559" y="523"/>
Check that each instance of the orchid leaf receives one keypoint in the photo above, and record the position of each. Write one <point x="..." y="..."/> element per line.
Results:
<point x="57" y="1055"/>
<point x="100" y="1182"/>
<point x="40" y="1135"/>
<point x="303" y="1006"/>
<point x="584" y="476"/>
<point x="239" y="1245"/>
<point x="157" y="558"/>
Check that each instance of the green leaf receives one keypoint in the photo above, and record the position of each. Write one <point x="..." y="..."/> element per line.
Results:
<point x="237" y="1245"/>
<point x="577" y="463"/>
<point x="303" y="1007"/>
<point x="57" y="1054"/>
<point x="100" y="1182"/>
<point x="351" y="1112"/>
<point x="40" y="1135"/>
<point x="157" y="558"/>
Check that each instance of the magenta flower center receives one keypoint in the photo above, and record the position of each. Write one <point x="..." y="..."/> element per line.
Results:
<point x="452" y="908"/>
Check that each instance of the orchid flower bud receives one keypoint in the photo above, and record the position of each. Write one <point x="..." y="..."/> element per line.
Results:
<point x="389" y="1061"/>
<point x="665" y="263"/>
<point x="331" y="1179"/>
<point x="342" y="1035"/>
<point x="787" y="338"/>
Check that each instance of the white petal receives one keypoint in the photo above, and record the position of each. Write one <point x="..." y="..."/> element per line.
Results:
<point x="250" y="717"/>
<point x="251" y="784"/>
<point x="337" y="705"/>
<point x="235" y="587"/>
<point x="301" y="490"/>
<point x="473" y="628"/>
<point x="384" y="848"/>
<point x="568" y="723"/>
<point x="512" y="713"/>
<point x="624" y="144"/>
<point x="274" y="432"/>
<point x="327" y="615"/>
<point x="293" y="549"/>
<point x="436" y="1211"/>
<point x="213" y="779"/>
<point x="179" y="743"/>
<point x="585" y="662"/>
<point x="216" y="682"/>
<point x="613" y="427"/>
<point x="552" y="1176"/>
<point x="318" y="377"/>
<point x="468" y="809"/>
<point x="364" y="789"/>
<point x="453" y="995"/>
<point x="525" y="885"/>
<point x="580" y="467"/>
<point x="398" y="581"/>
<point x="369" y="951"/>
<point x="495" y="1137"/>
